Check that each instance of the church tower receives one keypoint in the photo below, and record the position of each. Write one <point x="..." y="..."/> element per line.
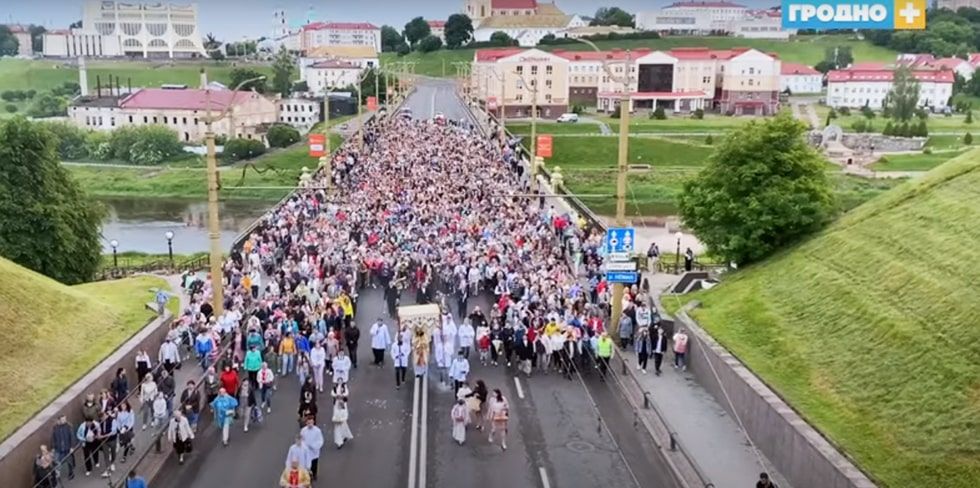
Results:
<point x="477" y="10"/>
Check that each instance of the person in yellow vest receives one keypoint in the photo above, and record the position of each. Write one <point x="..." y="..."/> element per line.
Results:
<point x="551" y="328"/>
<point x="347" y="306"/>
<point x="604" y="351"/>
<point x="247" y="283"/>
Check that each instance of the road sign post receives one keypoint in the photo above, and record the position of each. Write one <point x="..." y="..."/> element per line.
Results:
<point x="620" y="243"/>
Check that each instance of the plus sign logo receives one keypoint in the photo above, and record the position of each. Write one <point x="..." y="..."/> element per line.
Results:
<point x="910" y="14"/>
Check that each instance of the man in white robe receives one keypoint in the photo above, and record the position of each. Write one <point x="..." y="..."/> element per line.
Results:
<point x="341" y="367"/>
<point x="312" y="441"/>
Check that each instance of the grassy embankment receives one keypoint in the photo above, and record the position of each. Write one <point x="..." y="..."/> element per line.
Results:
<point x="76" y="326"/>
<point x="915" y="162"/>
<point x="869" y="329"/>
<point x="954" y="125"/>
<point x="588" y="164"/>
<point x="805" y="49"/>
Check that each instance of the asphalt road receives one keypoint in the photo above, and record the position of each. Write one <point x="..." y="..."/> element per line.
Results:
<point x="557" y="438"/>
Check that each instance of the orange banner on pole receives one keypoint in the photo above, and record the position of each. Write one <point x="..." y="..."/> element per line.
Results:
<point x="372" y="103"/>
<point x="545" y="146"/>
<point x="318" y="145"/>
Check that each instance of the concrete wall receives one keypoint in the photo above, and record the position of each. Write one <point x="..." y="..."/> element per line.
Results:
<point x="18" y="451"/>
<point x="795" y="448"/>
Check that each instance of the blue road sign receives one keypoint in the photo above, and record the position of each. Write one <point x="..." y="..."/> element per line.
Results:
<point x="621" y="277"/>
<point x="620" y="240"/>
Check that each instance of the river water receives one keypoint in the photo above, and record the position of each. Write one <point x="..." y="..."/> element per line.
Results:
<point x="139" y="224"/>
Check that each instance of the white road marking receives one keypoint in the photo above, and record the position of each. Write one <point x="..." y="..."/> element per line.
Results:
<point x="413" y="448"/>
<point x="432" y="113"/>
<point x="544" y="477"/>
<point x="423" y="435"/>
<point x="520" y="391"/>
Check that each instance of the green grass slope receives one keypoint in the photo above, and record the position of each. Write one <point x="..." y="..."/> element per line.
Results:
<point x="53" y="334"/>
<point x="871" y="329"/>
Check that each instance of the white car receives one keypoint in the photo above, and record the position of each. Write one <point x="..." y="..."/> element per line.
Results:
<point x="570" y="117"/>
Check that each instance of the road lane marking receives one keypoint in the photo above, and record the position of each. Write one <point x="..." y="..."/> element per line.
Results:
<point x="432" y="113"/>
<point x="544" y="477"/>
<point x="424" y="436"/>
<point x="413" y="448"/>
<point x="520" y="391"/>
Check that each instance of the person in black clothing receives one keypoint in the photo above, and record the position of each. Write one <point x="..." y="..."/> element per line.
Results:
<point x="507" y="337"/>
<point x="688" y="259"/>
<point x="120" y="385"/>
<point x="765" y="482"/>
<point x="351" y="336"/>
<point x="307" y="402"/>
<point x="477" y="319"/>
<point x="190" y="402"/>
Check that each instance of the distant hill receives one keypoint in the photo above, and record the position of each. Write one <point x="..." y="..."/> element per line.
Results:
<point x="54" y="334"/>
<point x="871" y="329"/>
<point x="808" y="50"/>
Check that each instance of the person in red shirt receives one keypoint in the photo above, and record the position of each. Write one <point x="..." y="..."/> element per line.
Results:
<point x="229" y="380"/>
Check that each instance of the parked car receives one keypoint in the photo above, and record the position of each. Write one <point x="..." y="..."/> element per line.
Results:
<point x="569" y="117"/>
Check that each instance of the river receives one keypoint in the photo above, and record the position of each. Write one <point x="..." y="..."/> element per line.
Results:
<point x="139" y="224"/>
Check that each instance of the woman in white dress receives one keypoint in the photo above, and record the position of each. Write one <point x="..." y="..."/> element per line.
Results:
<point x="498" y="412"/>
<point x="341" y="430"/>
<point x="460" y="416"/>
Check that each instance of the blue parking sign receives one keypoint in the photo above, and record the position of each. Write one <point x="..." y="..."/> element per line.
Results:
<point x="620" y="240"/>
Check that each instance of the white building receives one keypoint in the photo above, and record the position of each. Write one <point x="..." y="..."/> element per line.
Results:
<point x="321" y="34"/>
<point x="301" y="113"/>
<point x="959" y="66"/>
<point x="856" y="87"/>
<point x="704" y="18"/>
<point x="527" y="21"/>
<point x="765" y="24"/>
<point x="799" y="78"/>
<point x="25" y="44"/>
<point x="331" y="73"/>
<point x="123" y="29"/>
<point x="438" y="29"/>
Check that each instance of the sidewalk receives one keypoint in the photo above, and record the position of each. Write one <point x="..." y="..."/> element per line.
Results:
<point x="704" y="429"/>
<point x="142" y="438"/>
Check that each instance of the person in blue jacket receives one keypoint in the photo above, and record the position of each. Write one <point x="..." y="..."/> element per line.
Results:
<point x="224" y="406"/>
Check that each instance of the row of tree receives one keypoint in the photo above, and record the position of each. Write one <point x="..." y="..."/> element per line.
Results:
<point x="947" y="33"/>
<point x="10" y="45"/>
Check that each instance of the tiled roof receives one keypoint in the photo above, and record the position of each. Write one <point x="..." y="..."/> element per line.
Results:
<point x="797" y="69"/>
<point x="187" y="99"/>
<point x="334" y="64"/>
<point x="615" y="54"/>
<point x="886" y="75"/>
<point x="340" y="26"/>
<point x="17" y="28"/>
<point x="342" y="52"/>
<point x="436" y="24"/>
<point x="513" y="4"/>
<point x="94" y="101"/>
<point x="491" y="55"/>
<point x="705" y="53"/>
<point x="721" y="4"/>
<point x="975" y="59"/>
<point x="548" y="16"/>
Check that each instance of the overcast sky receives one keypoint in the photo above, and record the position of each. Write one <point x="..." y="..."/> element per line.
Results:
<point x="232" y="19"/>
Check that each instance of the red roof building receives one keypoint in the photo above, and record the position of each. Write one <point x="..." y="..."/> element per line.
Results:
<point x="865" y="86"/>
<point x="493" y="55"/>
<point x="720" y="4"/>
<point x="186" y="99"/>
<point x="887" y="75"/>
<point x="340" y="26"/>
<point x="797" y="69"/>
<point x="436" y="24"/>
<point x="513" y="4"/>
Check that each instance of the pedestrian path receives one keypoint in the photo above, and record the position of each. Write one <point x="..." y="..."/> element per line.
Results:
<point x="143" y="439"/>
<point x="704" y="428"/>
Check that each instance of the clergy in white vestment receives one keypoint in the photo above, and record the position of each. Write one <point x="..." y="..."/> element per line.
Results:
<point x="460" y="417"/>
<point x="341" y="367"/>
<point x="312" y="438"/>
<point x="341" y="430"/>
<point x="297" y="452"/>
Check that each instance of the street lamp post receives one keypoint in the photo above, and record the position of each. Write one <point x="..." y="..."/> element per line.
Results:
<point x="624" y="122"/>
<point x="170" y="245"/>
<point x="677" y="258"/>
<point x="534" y="129"/>
<point x="115" y="258"/>
<point x="214" y="230"/>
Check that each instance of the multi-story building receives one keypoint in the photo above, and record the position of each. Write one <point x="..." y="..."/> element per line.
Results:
<point x="25" y="44"/>
<point x="800" y="78"/>
<point x="323" y="34"/>
<point x="517" y="78"/>
<point x="138" y="30"/>
<point x="299" y="112"/>
<point x="962" y="67"/>
<point x="527" y="21"/>
<point x="586" y="73"/>
<point x="714" y="17"/>
<point x="860" y="86"/>
<point x="330" y="74"/>
<point x="437" y="28"/>
<point x="180" y="109"/>
<point x="364" y="56"/>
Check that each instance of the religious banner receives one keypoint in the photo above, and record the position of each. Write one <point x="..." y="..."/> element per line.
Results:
<point x="420" y="320"/>
<point x="545" y="146"/>
<point x="318" y="145"/>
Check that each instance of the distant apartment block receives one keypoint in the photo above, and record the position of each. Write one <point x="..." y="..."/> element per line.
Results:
<point x="799" y="78"/>
<point x="868" y="85"/>
<point x="714" y="17"/>
<point x="324" y="34"/>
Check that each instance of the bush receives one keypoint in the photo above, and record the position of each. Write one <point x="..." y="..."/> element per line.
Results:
<point x="67" y="89"/>
<point x="615" y="113"/>
<point x="48" y="105"/>
<point x="861" y="125"/>
<point x="889" y="129"/>
<point x="220" y="139"/>
<point x="282" y="135"/>
<point x="867" y="112"/>
<point x="70" y="140"/>
<point x="709" y="140"/>
<point x="968" y="139"/>
<point x="239" y="149"/>
<point x="12" y="95"/>
<point x="927" y="150"/>
<point x="97" y="145"/>
<point x="698" y="114"/>
<point x="920" y="129"/>
<point x="429" y="44"/>
<point x="144" y="145"/>
<point x="403" y="49"/>
<point x="11" y="108"/>
<point x="658" y="114"/>
<point x="29" y="94"/>
<point x="845" y="111"/>
<point x="921" y="113"/>
<point x="969" y="117"/>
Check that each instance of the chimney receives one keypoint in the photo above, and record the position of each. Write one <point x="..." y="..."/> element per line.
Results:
<point x="129" y="85"/>
<point x="98" y="85"/>
<point x="82" y="76"/>
<point x="204" y="79"/>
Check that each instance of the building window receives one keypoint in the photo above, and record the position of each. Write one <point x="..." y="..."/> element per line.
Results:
<point x="534" y="70"/>
<point x="154" y="119"/>
<point x="185" y="120"/>
<point x="547" y="98"/>
<point x="112" y="121"/>
<point x="164" y="119"/>
<point x="520" y="70"/>
<point x="751" y="71"/>
<point x="146" y="120"/>
<point x="547" y="83"/>
<point x="548" y="69"/>
<point x="88" y="120"/>
<point x="130" y="119"/>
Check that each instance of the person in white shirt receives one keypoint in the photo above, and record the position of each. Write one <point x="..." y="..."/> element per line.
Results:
<point x="169" y="356"/>
<point x="297" y="454"/>
<point x="148" y="393"/>
<point x="466" y="335"/>
<point x="312" y="439"/>
<point x="266" y="381"/>
<point x="341" y="367"/>
<point x="318" y="359"/>
<point x="458" y="371"/>
<point x="400" y="353"/>
<point x="380" y="340"/>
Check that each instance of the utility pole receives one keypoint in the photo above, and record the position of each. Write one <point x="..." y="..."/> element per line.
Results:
<point x="624" y="124"/>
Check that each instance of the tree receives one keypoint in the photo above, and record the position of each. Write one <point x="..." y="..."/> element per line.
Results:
<point x="367" y="86"/>
<point x="658" y="114"/>
<point x="10" y="108"/>
<point x="697" y="114"/>
<point x="501" y="38"/>
<point x="838" y="57"/>
<point x="282" y="135"/>
<point x="968" y="139"/>
<point x="76" y="24"/>
<point x="48" y="105"/>
<point x="239" y="149"/>
<point x="390" y="39"/>
<point x="403" y="49"/>
<point x="282" y="72"/>
<point x="764" y="187"/>
<point x="37" y="38"/>
<point x="213" y="46"/>
<point x="239" y="75"/>
<point x="429" y="44"/>
<point x="69" y="140"/>
<point x="969" y="117"/>
<point x="8" y="43"/>
<point x="903" y="99"/>
<point x="613" y="16"/>
<point x="458" y="30"/>
<point x="416" y="30"/>
<point x="47" y="223"/>
<point x="144" y="145"/>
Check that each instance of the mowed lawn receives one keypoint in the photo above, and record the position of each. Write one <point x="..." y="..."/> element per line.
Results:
<point x="41" y="75"/>
<point x="599" y="152"/>
<point x="914" y="162"/>
<point x="808" y="50"/>
<point x="54" y="334"/>
<point x="870" y="330"/>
